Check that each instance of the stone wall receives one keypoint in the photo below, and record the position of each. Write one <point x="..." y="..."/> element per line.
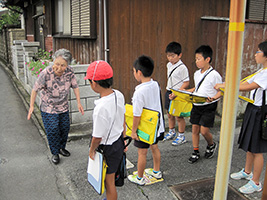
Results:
<point x="17" y="58"/>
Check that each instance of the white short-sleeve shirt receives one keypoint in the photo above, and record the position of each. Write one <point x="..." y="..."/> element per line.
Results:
<point x="104" y="115"/>
<point x="179" y="75"/>
<point x="260" y="79"/>
<point x="147" y="95"/>
<point x="207" y="86"/>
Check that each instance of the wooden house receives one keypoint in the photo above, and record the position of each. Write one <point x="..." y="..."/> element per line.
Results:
<point x="119" y="31"/>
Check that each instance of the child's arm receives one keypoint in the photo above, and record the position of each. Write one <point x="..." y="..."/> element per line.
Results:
<point x="124" y="128"/>
<point x="244" y="86"/>
<point x="185" y="85"/>
<point x="136" y="121"/>
<point x="215" y="97"/>
<point x="191" y="89"/>
<point x="94" y="144"/>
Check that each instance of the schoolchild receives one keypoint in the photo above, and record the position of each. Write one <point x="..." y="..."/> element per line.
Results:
<point x="177" y="78"/>
<point x="146" y="95"/>
<point x="203" y="115"/>
<point x="250" y="135"/>
<point x="108" y="121"/>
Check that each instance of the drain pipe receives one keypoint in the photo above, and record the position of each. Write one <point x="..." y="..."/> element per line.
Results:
<point x="100" y="42"/>
<point x="105" y="32"/>
<point x="233" y="69"/>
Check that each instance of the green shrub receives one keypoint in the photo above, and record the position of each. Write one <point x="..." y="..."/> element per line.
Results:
<point x="40" y="62"/>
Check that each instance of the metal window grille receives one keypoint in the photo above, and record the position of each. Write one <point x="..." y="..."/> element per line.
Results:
<point x="257" y="10"/>
<point x="83" y="18"/>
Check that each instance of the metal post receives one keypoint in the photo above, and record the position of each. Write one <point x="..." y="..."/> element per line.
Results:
<point x="233" y="68"/>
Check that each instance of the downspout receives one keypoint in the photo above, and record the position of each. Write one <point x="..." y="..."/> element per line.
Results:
<point x="100" y="54"/>
<point x="105" y="32"/>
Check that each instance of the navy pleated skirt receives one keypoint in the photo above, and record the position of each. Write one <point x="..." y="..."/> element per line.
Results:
<point x="250" y="134"/>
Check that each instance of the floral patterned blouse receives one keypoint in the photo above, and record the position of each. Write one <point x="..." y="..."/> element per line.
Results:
<point x="54" y="89"/>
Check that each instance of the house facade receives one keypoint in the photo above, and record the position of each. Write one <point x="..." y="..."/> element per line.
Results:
<point x="119" y="31"/>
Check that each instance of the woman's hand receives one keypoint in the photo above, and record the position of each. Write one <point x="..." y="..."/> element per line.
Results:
<point x="30" y="112"/>
<point x="80" y="108"/>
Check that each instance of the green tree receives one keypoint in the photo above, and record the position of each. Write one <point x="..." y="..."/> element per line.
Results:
<point x="12" y="17"/>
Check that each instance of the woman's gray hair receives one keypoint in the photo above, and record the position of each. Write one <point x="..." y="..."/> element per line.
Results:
<point x="64" y="53"/>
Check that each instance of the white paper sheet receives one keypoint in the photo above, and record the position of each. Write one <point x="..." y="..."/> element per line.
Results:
<point x="94" y="166"/>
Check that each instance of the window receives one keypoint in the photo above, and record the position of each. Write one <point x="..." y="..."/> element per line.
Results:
<point x="256" y="10"/>
<point x="75" y="18"/>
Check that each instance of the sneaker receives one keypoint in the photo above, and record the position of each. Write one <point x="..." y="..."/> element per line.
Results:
<point x="210" y="151"/>
<point x="194" y="158"/>
<point x="134" y="179"/>
<point x="241" y="174"/>
<point x="169" y="136"/>
<point x="152" y="173"/>
<point x="179" y="140"/>
<point x="250" y="187"/>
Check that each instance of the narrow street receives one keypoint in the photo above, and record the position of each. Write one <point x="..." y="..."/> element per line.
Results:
<point x="25" y="168"/>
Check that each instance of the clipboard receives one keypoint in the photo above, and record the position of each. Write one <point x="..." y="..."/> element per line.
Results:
<point x="148" y="126"/>
<point x="189" y="96"/>
<point x="246" y="99"/>
<point x="96" y="171"/>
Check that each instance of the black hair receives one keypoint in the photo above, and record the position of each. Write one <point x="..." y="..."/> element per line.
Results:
<point x="107" y="83"/>
<point x="174" y="47"/>
<point x="263" y="47"/>
<point x="145" y="64"/>
<point x="205" y="50"/>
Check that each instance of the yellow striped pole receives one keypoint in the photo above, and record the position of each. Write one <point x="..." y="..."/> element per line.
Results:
<point x="233" y="68"/>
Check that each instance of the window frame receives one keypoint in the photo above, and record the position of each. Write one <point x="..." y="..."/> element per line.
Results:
<point x="92" y="22"/>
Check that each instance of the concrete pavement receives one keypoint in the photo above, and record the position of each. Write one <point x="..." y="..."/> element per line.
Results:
<point x="27" y="173"/>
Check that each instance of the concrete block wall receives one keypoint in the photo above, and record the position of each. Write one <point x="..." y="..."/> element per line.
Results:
<point x="17" y="58"/>
<point x="87" y="96"/>
<point x="29" y="51"/>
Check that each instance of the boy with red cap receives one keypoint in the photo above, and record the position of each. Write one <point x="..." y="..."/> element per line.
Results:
<point x="108" y="121"/>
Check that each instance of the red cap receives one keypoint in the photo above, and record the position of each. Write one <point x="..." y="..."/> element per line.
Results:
<point x="99" y="70"/>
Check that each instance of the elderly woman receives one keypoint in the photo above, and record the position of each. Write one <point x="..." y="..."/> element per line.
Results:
<point x="54" y="84"/>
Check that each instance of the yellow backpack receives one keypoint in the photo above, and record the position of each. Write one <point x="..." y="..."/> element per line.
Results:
<point x="148" y="126"/>
<point x="180" y="108"/>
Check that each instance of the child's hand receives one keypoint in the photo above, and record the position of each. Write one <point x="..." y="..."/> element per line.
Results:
<point x="210" y="99"/>
<point x="219" y="85"/>
<point x="126" y="148"/>
<point x="172" y="96"/>
<point x="134" y="136"/>
<point x="92" y="154"/>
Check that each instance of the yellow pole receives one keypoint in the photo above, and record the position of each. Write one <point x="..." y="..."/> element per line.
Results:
<point x="233" y="68"/>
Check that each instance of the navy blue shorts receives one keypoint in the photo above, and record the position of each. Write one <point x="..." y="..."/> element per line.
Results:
<point x="203" y="115"/>
<point x="113" y="154"/>
<point x="167" y="100"/>
<point x="143" y="145"/>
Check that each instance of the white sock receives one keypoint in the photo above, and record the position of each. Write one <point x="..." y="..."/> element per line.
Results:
<point x="181" y="134"/>
<point x="172" y="130"/>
